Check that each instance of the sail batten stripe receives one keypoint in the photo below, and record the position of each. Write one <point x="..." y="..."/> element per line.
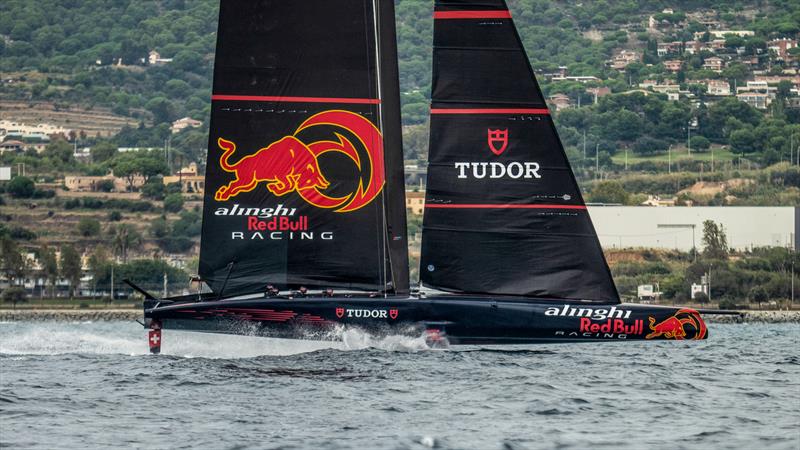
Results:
<point x="537" y="111"/>
<point x="502" y="206"/>
<point x="503" y="14"/>
<point x="281" y="99"/>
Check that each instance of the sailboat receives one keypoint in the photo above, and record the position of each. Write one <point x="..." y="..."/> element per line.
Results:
<point x="304" y="220"/>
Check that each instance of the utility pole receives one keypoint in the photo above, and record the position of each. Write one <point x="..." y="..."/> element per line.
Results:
<point x="669" y="159"/>
<point x="712" y="158"/>
<point x="596" y="161"/>
<point x="584" y="145"/>
<point x="112" y="282"/>
<point x="165" y="284"/>
<point x="689" y="138"/>
<point x="626" y="159"/>
<point x="708" y="280"/>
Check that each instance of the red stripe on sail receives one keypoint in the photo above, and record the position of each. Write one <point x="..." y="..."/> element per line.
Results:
<point x="538" y="111"/>
<point x="501" y="206"/>
<point x="262" y="98"/>
<point x="472" y="14"/>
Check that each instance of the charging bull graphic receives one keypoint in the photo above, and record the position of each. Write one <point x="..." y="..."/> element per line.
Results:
<point x="291" y="165"/>
<point x="674" y="327"/>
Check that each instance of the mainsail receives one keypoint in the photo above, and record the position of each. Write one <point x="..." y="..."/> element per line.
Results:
<point x="503" y="213"/>
<point x="304" y="182"/>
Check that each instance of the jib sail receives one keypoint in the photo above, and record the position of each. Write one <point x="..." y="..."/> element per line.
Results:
<point x="304" y="181"/>
<point x="503" y="213"/>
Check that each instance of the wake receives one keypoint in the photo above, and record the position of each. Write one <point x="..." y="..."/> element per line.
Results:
<point x="124" y="338"/>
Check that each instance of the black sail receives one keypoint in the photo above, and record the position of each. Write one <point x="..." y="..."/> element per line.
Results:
<point x="304" y="175"/>
<point x="503" y="214"/>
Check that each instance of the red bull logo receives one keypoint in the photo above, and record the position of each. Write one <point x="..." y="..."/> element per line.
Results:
<point x="291" y="165"/>
<point x="675" y="327"/>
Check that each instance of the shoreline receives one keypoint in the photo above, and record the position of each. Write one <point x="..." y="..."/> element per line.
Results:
<point x="99" y="315"/>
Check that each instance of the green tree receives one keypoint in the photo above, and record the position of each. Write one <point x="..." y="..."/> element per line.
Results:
<point x="103" y="151"/>
<point x="14" y="295"/>
<point x="154" y="188"/>
<point x="758" y="294"/>
<point x="71" y="268"/>
<point x="14" y="264"/>
<point x="99" y="263"/>
<point x="59" y="150"/>
<point x="609" y="192"/>
<point x="159" y="228"/>
<point x="648" y="146"/>
<point x="714" y="240"/>
<point x="49" y="262"/>
<point x="88" y="227"/>
<point x="123" y="238"/>
<point x="700" y="143"/>
<point x="21" y="187"/>
<point x="745" y="141"/>
<point x="173" y="203"/>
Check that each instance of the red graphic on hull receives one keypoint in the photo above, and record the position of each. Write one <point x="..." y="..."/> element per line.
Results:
<point x="675" y="327"/>
<point x="498" y="137"/>
<point x="340" y="312"/>
<point x="291" y="165"/>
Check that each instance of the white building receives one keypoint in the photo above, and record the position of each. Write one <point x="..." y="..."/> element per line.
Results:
<point x="671" y="228"/>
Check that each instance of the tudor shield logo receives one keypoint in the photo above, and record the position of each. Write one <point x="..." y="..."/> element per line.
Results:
<point x="393" y="313"/>
<point x="498" y="140"/>
<point x="340" y="312"/>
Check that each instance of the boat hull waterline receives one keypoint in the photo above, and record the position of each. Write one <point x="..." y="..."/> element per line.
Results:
<point x="458" y="320"/>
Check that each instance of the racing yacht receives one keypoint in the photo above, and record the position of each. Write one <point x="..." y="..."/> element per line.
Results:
<point x="304" y="219"/>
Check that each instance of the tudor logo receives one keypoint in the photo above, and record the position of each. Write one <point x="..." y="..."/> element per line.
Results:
<point x="367" y="313"/>
<point x="497" y="138"/>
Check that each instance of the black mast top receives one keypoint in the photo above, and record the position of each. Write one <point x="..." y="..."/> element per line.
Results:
<point x="304" y="182"/>
<point x="503" y="213"/>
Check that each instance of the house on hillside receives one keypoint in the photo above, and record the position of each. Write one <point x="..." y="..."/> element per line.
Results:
<point x="11" y="146"/>
<point x="182" y="124"/>
<point x="655" y="200"/>
<point x="415" y="202"/>
<point x="82" y="183"/>
<point x="191" y="181"/>
<point x="757" y="100"/>
<point x="781" y="48"/>
<point x="673" y="65"/>
<point x="559" y="101"/>
<point x="155" y="59"/>
<point x="598" y="92"/>
<point x="669" y="48"/>
<point x="718" y="88"/>
<point x="623" y="58"/>
<point x="720" y="34"/>
<point x="714" y="63"/>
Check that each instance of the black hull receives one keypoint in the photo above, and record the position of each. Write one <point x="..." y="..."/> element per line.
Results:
<point x="461" y="320"/>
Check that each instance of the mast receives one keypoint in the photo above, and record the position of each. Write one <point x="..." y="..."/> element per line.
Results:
<point x="302" y="173"/>
<point x="503" y="212"/>
<point x="395" y="198"/>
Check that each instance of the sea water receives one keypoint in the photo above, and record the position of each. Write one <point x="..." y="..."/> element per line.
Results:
<point x="93" y="385"/>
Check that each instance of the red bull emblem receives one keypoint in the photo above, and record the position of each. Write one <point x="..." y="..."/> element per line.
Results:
<point x="498" y="137"/>
<point x="675" y="327"/>
<point x="340" y="312"/>
<point x="393" y="313"/>
<point x="291" y="165"/>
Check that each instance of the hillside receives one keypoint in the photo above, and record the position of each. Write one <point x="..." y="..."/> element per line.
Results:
<point x="632" y="83"/>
